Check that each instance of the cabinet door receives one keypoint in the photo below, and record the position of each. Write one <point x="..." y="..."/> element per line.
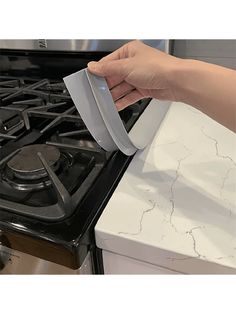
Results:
<point x="118" y="264"/>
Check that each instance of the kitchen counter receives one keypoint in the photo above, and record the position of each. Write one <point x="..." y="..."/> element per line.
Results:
<point x="175" y="206"/>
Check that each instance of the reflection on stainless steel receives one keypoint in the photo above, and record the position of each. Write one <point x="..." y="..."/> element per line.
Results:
<point x="15" y="262"/>
<point x="75" y="45"/>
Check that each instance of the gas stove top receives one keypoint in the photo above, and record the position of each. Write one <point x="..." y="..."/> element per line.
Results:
<point x="54" y="178"/>
<point x="48" y="159"/>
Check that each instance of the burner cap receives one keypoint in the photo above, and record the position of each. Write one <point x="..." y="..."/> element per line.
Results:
<point x="26" y="164"/>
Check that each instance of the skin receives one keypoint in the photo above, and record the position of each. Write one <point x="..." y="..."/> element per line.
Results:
<point x="136" y="71"/>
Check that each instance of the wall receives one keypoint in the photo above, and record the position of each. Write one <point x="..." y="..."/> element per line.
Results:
<point x="222" y="52"/>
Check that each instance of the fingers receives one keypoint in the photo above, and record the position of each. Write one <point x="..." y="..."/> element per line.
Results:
<point x="115" y="66"/>
<point x="121" y="90"/>
<point x="128" y="99"/>
<point x="110" y="68"/>
<point x="114" y="71"/>
<point x="113" y="81"/>
<point x="97" y="68"/>
<point x="120" y="53"/>
<point x="125" y="51"/>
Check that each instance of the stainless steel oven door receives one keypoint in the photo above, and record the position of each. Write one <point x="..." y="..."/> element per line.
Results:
<point x="15" y="262"/>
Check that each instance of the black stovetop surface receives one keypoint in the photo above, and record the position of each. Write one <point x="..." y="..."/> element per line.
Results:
<point x="55" y="228"/>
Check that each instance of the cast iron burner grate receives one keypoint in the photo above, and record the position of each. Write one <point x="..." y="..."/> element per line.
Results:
<point x="55" y="200"/>
<point x="21" y="99"/>
<point x="48" y="158"/>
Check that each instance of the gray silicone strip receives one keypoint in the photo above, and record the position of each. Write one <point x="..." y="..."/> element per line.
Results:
<point x="110" y="114"/>
<point x="82" y="96"/>
<point x="94" y="102"/>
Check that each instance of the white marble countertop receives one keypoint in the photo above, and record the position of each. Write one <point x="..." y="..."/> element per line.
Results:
<point x="176" y="204"/>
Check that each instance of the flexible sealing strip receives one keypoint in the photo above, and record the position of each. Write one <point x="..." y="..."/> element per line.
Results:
<point x="94" y="102"/>
<point x="82" y="96"/>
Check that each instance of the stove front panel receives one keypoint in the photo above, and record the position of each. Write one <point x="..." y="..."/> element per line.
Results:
<point x="13" y="262"/>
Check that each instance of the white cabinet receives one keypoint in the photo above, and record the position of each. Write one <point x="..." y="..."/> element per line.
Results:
<point x="118" y="264"/>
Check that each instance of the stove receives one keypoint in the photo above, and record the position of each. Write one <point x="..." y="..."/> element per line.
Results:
<point x="48" y="159"/>
<point x="54" y="178"/>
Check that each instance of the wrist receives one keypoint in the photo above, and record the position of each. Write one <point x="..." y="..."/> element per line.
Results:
<point x="181" y="79"/>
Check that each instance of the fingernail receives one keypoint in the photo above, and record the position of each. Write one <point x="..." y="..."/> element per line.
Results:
<point x="92" y="65"/>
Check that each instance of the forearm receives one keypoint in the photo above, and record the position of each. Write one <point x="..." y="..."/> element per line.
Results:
<point x="209" y="88"/>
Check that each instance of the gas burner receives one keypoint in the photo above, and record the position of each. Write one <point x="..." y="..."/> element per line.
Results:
<point x="26" y="165"/>
<point x="25" y="171"/>
<point x="25" y="190"/>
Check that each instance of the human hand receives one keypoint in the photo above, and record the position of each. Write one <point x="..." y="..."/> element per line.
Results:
<point x="137" y="71"/>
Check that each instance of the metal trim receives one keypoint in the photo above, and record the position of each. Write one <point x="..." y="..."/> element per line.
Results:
<point x="75" y="44"/>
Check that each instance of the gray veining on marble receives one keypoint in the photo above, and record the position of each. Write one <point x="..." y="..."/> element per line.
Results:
<point x="176" y="204"/>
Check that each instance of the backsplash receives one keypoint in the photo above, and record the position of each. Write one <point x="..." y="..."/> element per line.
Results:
<point x="221" y="52"/>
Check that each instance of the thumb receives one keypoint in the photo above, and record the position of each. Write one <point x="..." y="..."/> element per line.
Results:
<point x="109" y="68"/>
